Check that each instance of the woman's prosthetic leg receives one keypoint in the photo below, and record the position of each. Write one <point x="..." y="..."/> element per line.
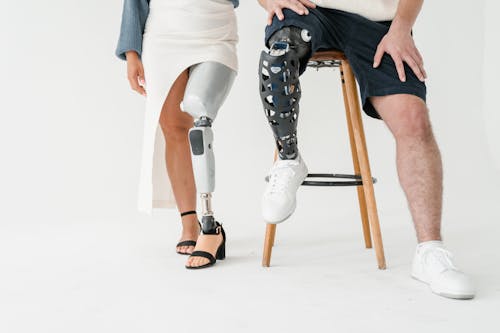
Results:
<point x="208" y="86"/>
<point x="280" y="91"/>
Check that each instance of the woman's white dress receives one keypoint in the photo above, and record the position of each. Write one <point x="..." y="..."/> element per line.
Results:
<point x="178" y="34"/>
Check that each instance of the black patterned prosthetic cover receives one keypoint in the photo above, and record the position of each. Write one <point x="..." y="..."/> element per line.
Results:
<point x="280" y="87"/>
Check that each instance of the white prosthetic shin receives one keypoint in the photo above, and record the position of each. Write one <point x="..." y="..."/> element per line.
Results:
<point x="208" y="86"/>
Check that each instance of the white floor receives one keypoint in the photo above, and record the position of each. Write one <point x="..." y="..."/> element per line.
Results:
<point x="123" y="276"/>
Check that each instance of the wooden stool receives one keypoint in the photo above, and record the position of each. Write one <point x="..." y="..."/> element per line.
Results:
<point x="363" y="178"/>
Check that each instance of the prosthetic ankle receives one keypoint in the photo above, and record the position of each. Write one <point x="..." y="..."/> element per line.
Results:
<point x="207" y="88"/>
<point x="280" y="90"/>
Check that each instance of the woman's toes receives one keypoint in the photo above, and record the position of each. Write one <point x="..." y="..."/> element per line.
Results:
<point x="196" y="262"/>
<point x="185" y="249"/>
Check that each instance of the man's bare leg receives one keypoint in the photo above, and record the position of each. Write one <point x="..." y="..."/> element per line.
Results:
<point x="421" y="176"/>
<point x="418" y="160"/>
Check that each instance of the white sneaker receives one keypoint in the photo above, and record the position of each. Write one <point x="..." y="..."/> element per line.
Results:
<point x="433" y="265"/>
<point x="279" y="199"/>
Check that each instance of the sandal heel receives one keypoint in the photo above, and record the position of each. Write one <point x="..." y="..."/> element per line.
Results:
<point x="221" y="252"/>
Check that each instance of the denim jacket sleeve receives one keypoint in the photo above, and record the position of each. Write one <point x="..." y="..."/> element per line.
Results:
<point x="135" y="13"/>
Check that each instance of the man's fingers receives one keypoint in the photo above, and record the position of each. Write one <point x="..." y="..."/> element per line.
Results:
<point x="399" y="67"/>
<point x="423" y="71"/>
<point x="308" y="3"/>
<point x="420" y="62"/>
<point x="419" y="58"/>
<point x="299" y="8"/>
<point x="378" y="56"/>
<point x="270" y="16"/>
<point x="279" y="14"/>
<point x="415" y="68"/>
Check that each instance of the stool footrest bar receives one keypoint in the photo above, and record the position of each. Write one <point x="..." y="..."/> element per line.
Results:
<point x="356" y="182"/>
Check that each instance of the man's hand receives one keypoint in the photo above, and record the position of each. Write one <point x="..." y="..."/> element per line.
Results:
<point x="399" y="44"/>
<point x="401" y="47"/>
<point x="275" y="7"/>
<point x="135" y="72"/>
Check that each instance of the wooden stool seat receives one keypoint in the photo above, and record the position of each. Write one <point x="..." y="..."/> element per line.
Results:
<point x="328" y="55"/>
<point x="366" y="195"/>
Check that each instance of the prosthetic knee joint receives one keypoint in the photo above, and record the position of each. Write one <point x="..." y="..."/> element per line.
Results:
<point x="280" y="91"/>
<point x="207" y="88"/>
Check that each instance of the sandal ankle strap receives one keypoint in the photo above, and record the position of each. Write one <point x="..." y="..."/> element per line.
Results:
<point x="190" y="212"/>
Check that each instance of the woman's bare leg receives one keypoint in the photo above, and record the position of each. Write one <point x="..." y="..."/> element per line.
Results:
<point x="175" y="125"/>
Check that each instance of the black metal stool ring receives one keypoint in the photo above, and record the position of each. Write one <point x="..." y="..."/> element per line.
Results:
<point x="356" y="182"/>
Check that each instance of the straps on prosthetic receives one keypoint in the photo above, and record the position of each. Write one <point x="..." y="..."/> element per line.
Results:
<point x="280" y="87"/>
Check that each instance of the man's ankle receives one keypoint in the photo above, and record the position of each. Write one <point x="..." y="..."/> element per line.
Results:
<point x="430" y="244"/>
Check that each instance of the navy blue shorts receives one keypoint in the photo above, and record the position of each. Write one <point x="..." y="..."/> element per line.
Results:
<point x="358" y="38"/>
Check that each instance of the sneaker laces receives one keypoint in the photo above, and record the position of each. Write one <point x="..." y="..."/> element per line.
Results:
<point x="281" y="175"/>
<point x="440" y="257"/>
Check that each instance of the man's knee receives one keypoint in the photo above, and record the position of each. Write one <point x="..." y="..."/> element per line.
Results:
<point x="416" y="124"/>
<point x="407" y="116"/>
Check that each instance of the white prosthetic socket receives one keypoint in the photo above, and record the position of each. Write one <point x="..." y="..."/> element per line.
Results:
<point x="208" y="86"/>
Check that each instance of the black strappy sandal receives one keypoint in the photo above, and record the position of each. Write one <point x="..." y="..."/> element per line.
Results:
<point x="187" y="242"/>
<point x="219" y="255"/>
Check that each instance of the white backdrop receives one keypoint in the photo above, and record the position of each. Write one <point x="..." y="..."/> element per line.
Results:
<point x="73" y="247"/>
<point x="71" y="127"/>
<point x="491" y="70"/>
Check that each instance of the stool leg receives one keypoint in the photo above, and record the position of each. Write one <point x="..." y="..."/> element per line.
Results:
<point x="270" y="235"/>
<point x="268" y="244"/>
<point x="355" y="160"/>
<point x="357" y="126"/>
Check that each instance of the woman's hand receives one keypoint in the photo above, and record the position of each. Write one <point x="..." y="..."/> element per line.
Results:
<point x="135" y="72"/>
<point x="275" y="7"/>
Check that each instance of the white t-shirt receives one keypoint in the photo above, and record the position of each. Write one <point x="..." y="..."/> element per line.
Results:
<point x="375" y="10"/>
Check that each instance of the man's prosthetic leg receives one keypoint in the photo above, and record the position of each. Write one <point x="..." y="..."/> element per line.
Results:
<point x="280" y="87"/>
<point x="208" y="86"/>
